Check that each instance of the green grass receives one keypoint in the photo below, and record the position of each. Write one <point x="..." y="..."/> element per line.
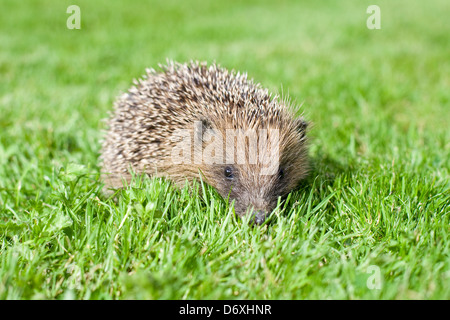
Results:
<point x="378" y="195"/>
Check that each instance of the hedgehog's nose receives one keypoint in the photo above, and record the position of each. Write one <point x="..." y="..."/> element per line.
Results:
<point x="259" y="217"/>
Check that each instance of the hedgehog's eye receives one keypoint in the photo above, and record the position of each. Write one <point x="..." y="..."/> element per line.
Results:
<point x="229" y="173"/>
<point x="280" y="173"/>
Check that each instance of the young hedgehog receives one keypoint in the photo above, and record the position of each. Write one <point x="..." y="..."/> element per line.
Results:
<point x="190" y="119"/>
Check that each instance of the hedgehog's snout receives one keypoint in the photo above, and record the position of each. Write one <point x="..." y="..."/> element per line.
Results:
<point x="259" y="217"/>
<point x="256" y="216"/>
<point x="257" y="209"/>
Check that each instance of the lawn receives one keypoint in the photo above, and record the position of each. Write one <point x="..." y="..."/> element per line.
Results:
<point x="371" y="221"/>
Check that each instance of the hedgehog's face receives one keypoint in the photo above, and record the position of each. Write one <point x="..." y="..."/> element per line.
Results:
<point x="256" y="184"/>
<point x="252" y="194"/>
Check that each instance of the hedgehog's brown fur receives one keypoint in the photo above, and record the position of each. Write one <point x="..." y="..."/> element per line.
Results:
<point x="143" y="129"/>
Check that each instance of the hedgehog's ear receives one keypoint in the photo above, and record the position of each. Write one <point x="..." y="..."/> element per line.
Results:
<point x="206" y="124"/>
<point x="302" y="126"/>
<point x="202" y="125"/>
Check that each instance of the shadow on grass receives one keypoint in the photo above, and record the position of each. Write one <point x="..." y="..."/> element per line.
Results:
<point x="319" y="184"/>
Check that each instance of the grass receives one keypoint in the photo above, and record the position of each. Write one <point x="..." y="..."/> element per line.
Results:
<point x="378" y="197"/>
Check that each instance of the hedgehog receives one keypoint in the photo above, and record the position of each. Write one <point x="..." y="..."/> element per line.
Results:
<point x="198" y="121"/>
